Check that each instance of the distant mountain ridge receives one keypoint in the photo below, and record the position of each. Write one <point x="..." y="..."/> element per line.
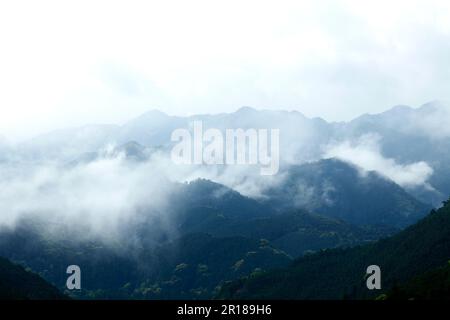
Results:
<point x="302" y="139"/>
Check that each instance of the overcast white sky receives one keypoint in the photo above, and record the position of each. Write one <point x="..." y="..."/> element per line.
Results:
<point x="69" y="63"/>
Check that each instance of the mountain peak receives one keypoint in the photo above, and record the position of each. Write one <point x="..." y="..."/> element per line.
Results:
<point x="154" y="113"/>
<point x="399" y="108"/>
<point x="434" y="106"/>
<point x="246" y="110"/>
<point x="149" y="118"/>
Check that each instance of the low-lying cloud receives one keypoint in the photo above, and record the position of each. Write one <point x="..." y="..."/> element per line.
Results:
<point x="100" y="195"/>
<point x="365" y="152"/>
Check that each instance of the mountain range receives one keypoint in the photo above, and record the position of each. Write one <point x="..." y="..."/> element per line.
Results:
<point x="231" y="233"/>
<point x="215" y="234"/>
<point x="302" y="139"/>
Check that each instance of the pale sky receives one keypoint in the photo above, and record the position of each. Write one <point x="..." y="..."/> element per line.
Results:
<point x="71" y="63"/>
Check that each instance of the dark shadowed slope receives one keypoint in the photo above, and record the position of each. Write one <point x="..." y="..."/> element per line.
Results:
<point x="337" y="274"/>
<point x="18" y="284"/>
<point x="432" y="285"/>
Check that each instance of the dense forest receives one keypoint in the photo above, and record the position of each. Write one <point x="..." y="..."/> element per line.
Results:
<point x="409" y="263"/>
